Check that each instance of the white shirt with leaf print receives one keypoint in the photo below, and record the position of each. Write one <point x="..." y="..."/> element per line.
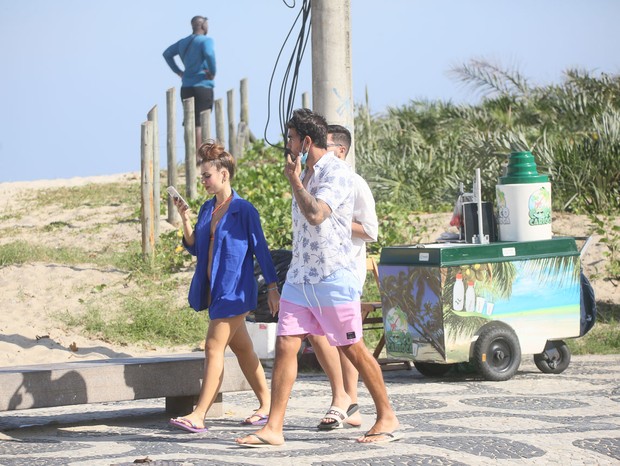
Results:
<point x="319" y="251"/>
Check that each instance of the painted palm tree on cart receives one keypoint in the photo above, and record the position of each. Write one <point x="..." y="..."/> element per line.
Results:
<point x="426" y="320"/>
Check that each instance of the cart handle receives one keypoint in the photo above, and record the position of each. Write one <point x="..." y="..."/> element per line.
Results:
<point x="585" y="245"/>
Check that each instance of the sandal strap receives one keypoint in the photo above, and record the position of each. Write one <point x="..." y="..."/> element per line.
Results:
<point x="336" y="414"/>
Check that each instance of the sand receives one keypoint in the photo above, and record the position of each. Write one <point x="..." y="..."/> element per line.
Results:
<point x="34" y="295"/>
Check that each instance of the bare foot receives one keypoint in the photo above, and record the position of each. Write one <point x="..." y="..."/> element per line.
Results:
<point x="355" y="419"/>
<point x="261" y="437"/>
<point x="382" y="431"/>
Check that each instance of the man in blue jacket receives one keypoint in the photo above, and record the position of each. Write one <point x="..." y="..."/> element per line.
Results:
<point x="197" y="54"/>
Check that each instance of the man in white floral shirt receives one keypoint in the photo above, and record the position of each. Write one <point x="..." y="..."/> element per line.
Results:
<point x="342" y="374"/>
<point x="321" y="295"/>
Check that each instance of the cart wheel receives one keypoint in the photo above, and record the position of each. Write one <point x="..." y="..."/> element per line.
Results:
<point x="497" y="353"/>
<point x="554" y="359"/>
<point x="432" y="369"/>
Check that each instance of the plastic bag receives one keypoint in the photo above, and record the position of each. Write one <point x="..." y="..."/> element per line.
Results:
<point x="457" y="214"/>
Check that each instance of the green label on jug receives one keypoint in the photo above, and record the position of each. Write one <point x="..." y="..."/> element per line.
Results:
<point x="503" y="212"/>
<point x="540" y="207"/>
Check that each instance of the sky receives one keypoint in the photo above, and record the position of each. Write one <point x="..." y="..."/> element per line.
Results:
<point x="78" y="77"/>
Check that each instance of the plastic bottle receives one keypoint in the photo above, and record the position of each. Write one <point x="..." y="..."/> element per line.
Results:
<point x="458" y="293"/>
<point x="470" y="297"/>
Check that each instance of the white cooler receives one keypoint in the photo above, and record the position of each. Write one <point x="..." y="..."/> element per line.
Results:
<point x="263" y="335"/>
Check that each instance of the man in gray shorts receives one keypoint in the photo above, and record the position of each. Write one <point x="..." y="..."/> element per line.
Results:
<point x="321" y="295"/>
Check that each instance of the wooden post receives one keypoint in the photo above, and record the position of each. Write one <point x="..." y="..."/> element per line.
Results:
<point x="232" y="129"/>
<point x="245" y="106"/>
<point x="243" y="138"/>
<point x="146" y="156"/>
<point x="245" y="112"/>
<point x="152" y="117"/>
<point x="205" y="124"/>
<point x="219" y="122"/>
<point x="173" y="214"/>
<point x="305" y="100"/>
<point x="368" y="127"/>
<point x="189" y="120"/>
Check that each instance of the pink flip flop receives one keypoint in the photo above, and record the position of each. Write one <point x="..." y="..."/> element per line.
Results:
<point x="261" y="421"/>
<point x="187" y="425"/>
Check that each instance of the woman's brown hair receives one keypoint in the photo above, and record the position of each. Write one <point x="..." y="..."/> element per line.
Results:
<point x="213" y="152"/>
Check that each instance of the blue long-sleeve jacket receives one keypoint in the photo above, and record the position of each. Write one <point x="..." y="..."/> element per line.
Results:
<point x="197" y="53"/>
<point x="238" y="238"/>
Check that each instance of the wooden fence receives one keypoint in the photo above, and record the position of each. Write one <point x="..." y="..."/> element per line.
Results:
<point x="239" y="136"/>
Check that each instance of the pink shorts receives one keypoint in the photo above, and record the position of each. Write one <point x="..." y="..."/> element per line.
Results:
<point x="330" y="308"/>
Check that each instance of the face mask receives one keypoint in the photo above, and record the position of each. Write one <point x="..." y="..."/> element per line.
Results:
<point x="303" y="155"/>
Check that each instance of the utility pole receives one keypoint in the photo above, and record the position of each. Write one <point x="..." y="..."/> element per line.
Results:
<point x="332" y="89"/>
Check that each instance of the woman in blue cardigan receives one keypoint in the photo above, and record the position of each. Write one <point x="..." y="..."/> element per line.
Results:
<point x="227" y="236"/>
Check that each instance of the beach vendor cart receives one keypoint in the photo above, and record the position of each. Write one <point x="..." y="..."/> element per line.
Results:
<point x="452" y="302"/>
<point x="486" y="304"/>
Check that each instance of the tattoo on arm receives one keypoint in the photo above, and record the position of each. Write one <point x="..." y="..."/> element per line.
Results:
<point x="314" y="210"/>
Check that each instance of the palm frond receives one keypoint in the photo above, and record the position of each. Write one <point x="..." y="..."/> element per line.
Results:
<point x="491" y="79"/>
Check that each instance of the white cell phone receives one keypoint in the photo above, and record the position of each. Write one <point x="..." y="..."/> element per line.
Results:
<point x="174" y="193"/>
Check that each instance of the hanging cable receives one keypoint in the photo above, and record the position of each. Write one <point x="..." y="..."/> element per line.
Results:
<point x="288" y="88"/>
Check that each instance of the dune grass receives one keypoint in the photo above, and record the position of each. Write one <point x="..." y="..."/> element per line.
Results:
<point x="154" y="320"/>
<point x="155" y="317"/>
<point x="413" y="157"/>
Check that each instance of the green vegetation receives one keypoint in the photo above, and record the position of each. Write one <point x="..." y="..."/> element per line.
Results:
<point x="414" y="158"/>
<point x="20" y="252"/>
<point x="92" y="195"/>
<point x="155" y="321"/>
<point x="604" y="337"/>
<point x="260" y="180"/>
<point x="610" y="237"/>
<point x="56" y="226"/>
<point x="417" y="154"/>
